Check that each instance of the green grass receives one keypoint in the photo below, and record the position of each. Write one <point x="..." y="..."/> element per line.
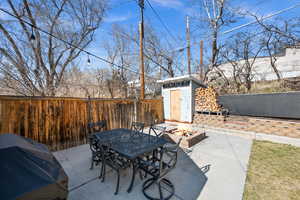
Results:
<point x="273" y="172"/>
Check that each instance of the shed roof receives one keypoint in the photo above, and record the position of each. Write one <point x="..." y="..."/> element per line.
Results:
<point x="181" y="78"/>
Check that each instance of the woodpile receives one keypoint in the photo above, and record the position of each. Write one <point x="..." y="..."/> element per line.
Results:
<point x="206" y="99"/>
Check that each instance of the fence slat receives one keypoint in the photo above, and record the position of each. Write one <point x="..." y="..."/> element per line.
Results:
<point x="62" y="122"/>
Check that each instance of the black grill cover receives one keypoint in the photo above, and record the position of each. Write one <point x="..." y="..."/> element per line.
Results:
<point x="28" y="170"/>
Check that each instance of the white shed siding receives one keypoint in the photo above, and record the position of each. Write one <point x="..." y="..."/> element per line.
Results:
<point x="166" y="99"/>
<point x="186" y="104"/>
<point x="186" y="96"/>
<point x="193" y="89"/>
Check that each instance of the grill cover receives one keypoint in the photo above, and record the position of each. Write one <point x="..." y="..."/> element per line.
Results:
<point x="28" y="170"/>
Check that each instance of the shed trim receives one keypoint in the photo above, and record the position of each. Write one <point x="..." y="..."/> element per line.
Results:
<point x="182" y="78"/>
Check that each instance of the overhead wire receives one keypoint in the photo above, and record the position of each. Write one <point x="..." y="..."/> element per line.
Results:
<point x="168" y="31"/>
<point x="161" y="21"/>
<point x="262" y="18"/>
<point x="150" y="24"/>
<point x="147" y="56"/>
<point x="74" y="46"/>
<point x="159" y="48"/>
<point x="247" y="24"/>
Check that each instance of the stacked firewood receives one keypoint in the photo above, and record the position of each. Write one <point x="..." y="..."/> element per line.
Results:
<point x="206" y="99"/>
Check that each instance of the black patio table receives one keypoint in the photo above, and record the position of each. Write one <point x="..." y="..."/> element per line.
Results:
<point x="130" y="145"/>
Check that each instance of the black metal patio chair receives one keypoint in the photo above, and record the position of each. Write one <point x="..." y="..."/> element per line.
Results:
<point x="96" y="154"/>
<point x="92" y="128"/>
<point x="113" y="160"/>
<point x="97" y="126"/>
<point x="137" y="128"/>
<point x="156" y="130"/>
<point x="159" y="169"/>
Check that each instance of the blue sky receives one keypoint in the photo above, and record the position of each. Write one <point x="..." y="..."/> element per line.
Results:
<point x="173" y="13"/>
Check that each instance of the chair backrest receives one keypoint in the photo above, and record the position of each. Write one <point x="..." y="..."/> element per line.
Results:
<point x="168" y="160"/>
<point x="93" y="141"/>
<point x="101" y="148"/>
<point x="157" y="130"/>
<point x="137" y="126"/>
<point x="97" y="126"/>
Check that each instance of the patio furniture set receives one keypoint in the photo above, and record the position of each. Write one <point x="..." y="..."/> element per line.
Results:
<point x="145" y="153"/>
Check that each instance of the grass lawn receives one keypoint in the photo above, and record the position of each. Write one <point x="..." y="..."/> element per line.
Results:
<point x="273" y="172"/>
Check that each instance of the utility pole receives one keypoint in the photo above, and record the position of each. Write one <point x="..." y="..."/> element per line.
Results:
<point x="141" y="30"/>
<point x="201" y="60"/>
<point x="188" y="44"/>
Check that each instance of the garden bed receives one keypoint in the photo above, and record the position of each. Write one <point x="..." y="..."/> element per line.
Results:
<point x="189" y="137"/>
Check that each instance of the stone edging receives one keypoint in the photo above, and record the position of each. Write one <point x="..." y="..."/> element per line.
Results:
<point x="253" y="135"/>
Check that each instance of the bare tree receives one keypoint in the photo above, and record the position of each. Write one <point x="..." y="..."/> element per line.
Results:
<point x="83" y="82"/>
<point x="250" y="50"/>
<point x="120" y="51"/>
<point x="242" y="52"/>
<point x="271" y="43"/>
<point x="157" y="56"/>
<point x="288" y="30"/>
<point x="277" y="34"/>
<point x="218" y="15"/>
<point x="34" y="62"/>
<point x="231" y="54"/>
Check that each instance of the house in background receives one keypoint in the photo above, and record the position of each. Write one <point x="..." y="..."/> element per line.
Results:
<point x="178" y="97"/>
<point x="288" y="65"/>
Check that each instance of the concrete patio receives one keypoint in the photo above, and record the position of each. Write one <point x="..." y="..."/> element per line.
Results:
<point x="215" y="168"/>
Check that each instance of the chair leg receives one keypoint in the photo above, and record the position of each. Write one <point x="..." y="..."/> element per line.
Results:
<point x="161" y="197"/>
<point x="103" y="172"/>
<point x="118" y="182"/>
<point x="134" y="168"/>
<point x="162" y="183"/>
<point x="92" y="162"/>
<point x="141" y="175"/>
<point x="148" y="159"/>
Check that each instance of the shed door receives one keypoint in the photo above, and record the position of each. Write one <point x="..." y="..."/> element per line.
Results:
<point x="175" y="107"/>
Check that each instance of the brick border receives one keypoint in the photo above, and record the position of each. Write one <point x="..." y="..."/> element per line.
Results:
<point x="251" y="124"/>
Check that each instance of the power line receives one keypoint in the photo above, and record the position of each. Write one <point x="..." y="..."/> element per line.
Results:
<point x="121" y="4"/>
<point x="262" y="18"/>
<point x="249" y="23"/>
<point x="150" y="25"/>
<point x="145" y="52"/>
<point x="167" y="40"/>
<point x="161" y="21"/>
<point x="152" y="44"/>
<point x="77" y="47"/>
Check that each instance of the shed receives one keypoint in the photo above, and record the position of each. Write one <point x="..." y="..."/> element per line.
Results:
<point x="178" y="97"/>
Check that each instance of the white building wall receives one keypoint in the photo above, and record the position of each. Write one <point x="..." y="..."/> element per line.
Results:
<point x="288" y="66"/>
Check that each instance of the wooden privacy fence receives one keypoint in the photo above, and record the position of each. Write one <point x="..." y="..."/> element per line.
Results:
<point x="62" y="122"/>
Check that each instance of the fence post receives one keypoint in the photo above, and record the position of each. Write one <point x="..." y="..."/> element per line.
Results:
<point x="89" y="119"/>
<point x="135" y="110"/>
